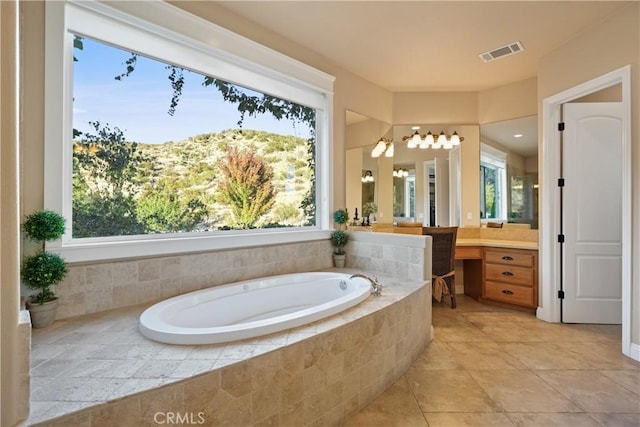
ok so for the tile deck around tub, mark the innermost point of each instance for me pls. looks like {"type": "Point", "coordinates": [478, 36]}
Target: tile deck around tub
{"type": "Point", "coordinates": [89, 360]}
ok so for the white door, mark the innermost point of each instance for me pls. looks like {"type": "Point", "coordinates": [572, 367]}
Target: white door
{"type": "Point", "coordinates": [592, 213]}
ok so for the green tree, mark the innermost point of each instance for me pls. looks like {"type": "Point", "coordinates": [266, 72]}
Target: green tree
{"type": "Point", "coordinates": [104, 168]}
{"type": "Point", "coordinates": [163, 210]}
{"type": "Point", "coordinates": [245, 187]}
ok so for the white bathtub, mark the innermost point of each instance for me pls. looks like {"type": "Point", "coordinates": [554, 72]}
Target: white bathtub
{"type": "Point", "coordinates": [251, 308]}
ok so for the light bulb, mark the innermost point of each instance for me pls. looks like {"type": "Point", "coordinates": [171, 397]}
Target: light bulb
{"type": "Point", "coordinates": [378, 149]}
{"type": "Point", "coordinates": [455, 139]}
{"type": "Point", "coordinates": [429, 139]}
{"type": "Point", "coordinates": [389, 152]}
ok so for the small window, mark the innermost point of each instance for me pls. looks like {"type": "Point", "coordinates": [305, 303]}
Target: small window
{"type": "Point", "coordinates": [493, 183]}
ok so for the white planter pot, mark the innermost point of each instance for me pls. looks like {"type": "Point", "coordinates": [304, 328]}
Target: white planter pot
{"type": "Point", "coordinates": [42, 315]}
{"type": "Point", "coordinates": [338, 260]}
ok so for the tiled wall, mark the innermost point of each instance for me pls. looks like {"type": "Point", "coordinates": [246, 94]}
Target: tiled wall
{"type": "Point", "coordinates": [91, 288]}
{"type": "Point", "coordinates": [399, 256]}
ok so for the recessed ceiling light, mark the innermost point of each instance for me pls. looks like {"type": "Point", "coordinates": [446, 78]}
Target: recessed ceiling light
{"type": "Point", "coordinates": [517, 135]}
{"type": "Point", "coordinates": [415, 127]}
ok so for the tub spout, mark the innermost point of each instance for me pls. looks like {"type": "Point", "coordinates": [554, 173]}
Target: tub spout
{"type": "Point", "coordinates": [377, 286]}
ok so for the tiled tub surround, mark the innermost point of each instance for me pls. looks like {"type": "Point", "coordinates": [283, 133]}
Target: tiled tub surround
{"type": "Point", "coordinates": [99, 370]}
{"type": "Point", "coordinates": [395, 255]}
{"type": "Point", "coordinates": [91, 288]}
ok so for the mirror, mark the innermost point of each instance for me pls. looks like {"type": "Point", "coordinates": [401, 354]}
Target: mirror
{"type": "Point", "coordinates": [443, 186]}
{"type": "Point", "coordinates": [363, 185]}
{"type": "Point", "coordinates": [509, 171]}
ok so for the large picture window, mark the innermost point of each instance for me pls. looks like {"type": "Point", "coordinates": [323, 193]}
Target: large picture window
{"type": "Point", "coordinates": [167, 134]}
{"type": "Point", "coordinates": [161, 149]}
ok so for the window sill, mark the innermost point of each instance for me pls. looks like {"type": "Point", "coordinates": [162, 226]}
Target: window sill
{"type": "Point", "coordinates": [93, 251]}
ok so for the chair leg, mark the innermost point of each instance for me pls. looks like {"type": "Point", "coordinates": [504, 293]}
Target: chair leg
{"type": "Point", "coordinates": [452, 292]}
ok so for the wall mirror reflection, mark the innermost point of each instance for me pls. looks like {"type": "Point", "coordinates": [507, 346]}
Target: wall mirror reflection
{"type": "Point", "coordinates": [509, 172]}
{"type": "Point", "coordinates": [363, 172]}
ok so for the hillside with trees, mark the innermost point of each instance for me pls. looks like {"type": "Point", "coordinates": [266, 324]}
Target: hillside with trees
{"type": "Point", "coordinates": [234, 179]}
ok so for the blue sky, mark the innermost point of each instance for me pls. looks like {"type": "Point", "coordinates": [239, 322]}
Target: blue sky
{"type": "Point", "coordinates": [139, 104]}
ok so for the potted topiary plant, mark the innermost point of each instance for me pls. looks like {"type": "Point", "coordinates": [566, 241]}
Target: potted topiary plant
{"type": "Point", "coordinates": [339, 237]}
{"type": "Point", "coordinates": [43, 269]}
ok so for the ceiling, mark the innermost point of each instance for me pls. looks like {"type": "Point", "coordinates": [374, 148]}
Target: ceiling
{"type": "Point", "coordinates": [428, 45]}
{"type": "Point", "coordinates": [433, 45]}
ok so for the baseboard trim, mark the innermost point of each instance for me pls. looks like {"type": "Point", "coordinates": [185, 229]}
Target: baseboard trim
{"type": "Point", "coordinates": [634, 352]}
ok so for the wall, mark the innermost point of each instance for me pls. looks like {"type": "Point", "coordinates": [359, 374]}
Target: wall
{"type": "Point", "coordinates": [510, 101]}
{"type": "Point", "coordinates": [15, 332]}
{"type": "Point", "coordinates": [410, 108]}
{"type": "Point", "coordinates": [613, 43]}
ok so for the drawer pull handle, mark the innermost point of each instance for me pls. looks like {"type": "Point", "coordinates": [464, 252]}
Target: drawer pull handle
{"type": "Point", "coordinates": [507, 258]}
{"type": "Point", "coordinates": [507, 273]}
{"type": "Point", "coordinates": [508, 292]}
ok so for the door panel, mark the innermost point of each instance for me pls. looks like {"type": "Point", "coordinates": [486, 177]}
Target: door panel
{"type": "Point", "coordinates": [592, 197]}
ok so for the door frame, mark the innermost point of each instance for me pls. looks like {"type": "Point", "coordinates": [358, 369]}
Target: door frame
{"type": "Point", "coordinates": [549, 304]}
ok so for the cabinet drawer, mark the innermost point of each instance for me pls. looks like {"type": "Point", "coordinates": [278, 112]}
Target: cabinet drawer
{"type": "Point", "coordinates": [509, 274]}
{"type": "Point", "coordinates": [513, 294]}
{"type": "Point", "coordinates": [512, 258]}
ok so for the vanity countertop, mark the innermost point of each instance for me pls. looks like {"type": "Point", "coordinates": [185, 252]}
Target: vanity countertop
{"type": "Point", "coordinates": [497, 243]}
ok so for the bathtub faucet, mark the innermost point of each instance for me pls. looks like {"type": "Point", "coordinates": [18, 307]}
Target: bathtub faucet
{"type": "Point", "coordinates": [377, 286]}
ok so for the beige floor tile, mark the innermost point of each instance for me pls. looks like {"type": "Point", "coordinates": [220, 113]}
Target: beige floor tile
{"type": "Point", "coordinates": [627, 379]}
{"type": "Point", "coordinates": [395, 407]}
{"type": "Point", "coordinates": [468, 419]}
{"type": "Point", "coordinates": [397, 399]}
{"type": "Point", "coordinates": [592, 391]}
{"type": "Point", "coordinates": [552, 420]}
{"type": "Point", "coordinates": [522, 391]}
{"type": "Point", "coordinates": [544, 355]}
{"type": "Point", "coordinates": [449, 391]}
{"type": "Point", "coordinates": [617, 420]}
{"type": "Point", "coordinates": [508, 332]}
{"type": "Point", "coordinates": [601, 355]}
{"type": "Point", "coordinates": [483, 356]}
{"type": "Point", "coordinates": [367, 418]}
{"type": "Point", "coordinates": [460, 333]}
{"type": "Point", "coordinates": [438, 356]}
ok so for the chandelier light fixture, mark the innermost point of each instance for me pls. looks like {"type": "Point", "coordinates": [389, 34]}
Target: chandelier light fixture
{"type": "Point", "coordinates": [384, 145]}
{"type": "Point", "coordinates": [417, 140]}
{"type": "Point", "coordinates": [367, 177]}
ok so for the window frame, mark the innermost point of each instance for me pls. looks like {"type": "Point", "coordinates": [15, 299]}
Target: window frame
{"type": "Point", "coordinates": [170, 34]}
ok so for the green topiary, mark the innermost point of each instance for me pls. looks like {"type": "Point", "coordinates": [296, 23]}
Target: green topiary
{"type": "Point", "coordinates": [339, 240]}
{"type": "Point", "coordinates": [339, 237]}
{"type": "Point", "coordinates": [44, 269]}
{"type": "Point", "coordinates": [40, 272]}
{"type": "Point", "coordinates": [44, 226]}
{"type": "Point", "coordinates": [341, 216]}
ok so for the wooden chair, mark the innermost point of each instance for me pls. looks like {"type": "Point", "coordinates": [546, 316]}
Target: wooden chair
{"type": "Point", "coordinates": [443, 256]}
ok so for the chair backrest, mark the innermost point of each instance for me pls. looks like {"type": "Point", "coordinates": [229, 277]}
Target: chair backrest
{"type": "Point", "coordinates": [443, 248]}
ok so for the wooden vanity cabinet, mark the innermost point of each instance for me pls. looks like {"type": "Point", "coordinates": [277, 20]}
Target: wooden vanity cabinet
{"type": "Point", "coordinates": [511, 277]}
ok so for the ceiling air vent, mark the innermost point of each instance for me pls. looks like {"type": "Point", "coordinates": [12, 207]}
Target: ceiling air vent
{"type": "Point", "coordinates": [506, 50]}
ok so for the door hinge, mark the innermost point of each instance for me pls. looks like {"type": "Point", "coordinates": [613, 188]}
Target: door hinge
{"type": "Point", "coordinates": [561, 182]}
{"type": "Point", "coordinates": [560, 126]}
{"type": "Point", "coordinates": [560, 238]}
{"type": "Point", "coordinates": [560, 294]}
